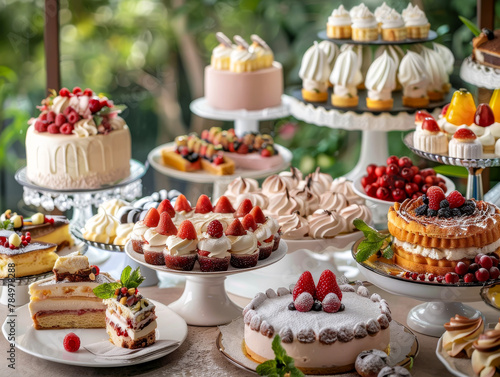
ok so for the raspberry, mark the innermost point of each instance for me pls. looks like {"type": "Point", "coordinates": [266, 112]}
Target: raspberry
{"type": "Point", "coordinates": [95, 270]}
{"type": "Point", "coordinates": [187, 231]}
{"type": "Point", "coordinates": [60, 120]}
{"type": "Point", "coordinates": [71, 341]}
{"type": "Point", "coordinates": [66, 129]}
{"type": "Point", "coordinates": [327, 283]}
{"type": "Point", "coordinates": [68, 110]}
{"type": "Point", "coordinates": [249, 223]}
{"type": "Point", "coordinates": [435, 195]}
{"type": "Point", "coordinates": [64, 92]}
{"type": "Point", "coordinates": [152, 218]}
{"type": "Point", "coordinates": [73, 117]}
{"type": "Point", "coordinates": [304, 284]}
{"type": "Point", "coordinates": [244, 208]}
{"type": "Point", "coordinates": [165, 226]}
{"type": "Point", "coordinates": [203, 205]}
{"type": "Point", "coordinates": [304, 302]}
{"type": "Point", "coordinates": [455, 199]}
{"type": "Point", "coordinates": [235, 229]}
{"type": "Point", "coordinates": [214, 229]}
{"type": "Point", "coordinates": [331, 303]}
{"type": "Point", "coordinates": [166, 206]}
{"type": "Point", "coordinates": [77, 90]}
{"type": "Point", "coordinates": [223, 205]}
{"type": "Point", "coordinates": [94, 105]}
{"type": "Point", "coordinates": [41, 126]}
{"type": "Point", "coordinates": [182, 204]}
{"type": "Point", "coordinates": [88, 92]}
{"type": "Point", "coordinates": [53, 129]}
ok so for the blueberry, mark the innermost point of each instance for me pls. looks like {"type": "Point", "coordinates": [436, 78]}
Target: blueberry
{"type": "Point", "coordinates": [455, 212]}
{"type": "Point", "coordinates": [291, 306]}
{"type": "Point", "coordinates": [317, 307]}
{"type": "Point", "coordinates": [444, 204]}
{"type": "Point", "coordinates": [422, 210]}
{"type": "Point", "coordinates": [444, 212]}
{"type": "Point", "coordinates": [425, 199]}
{"type": "Point", "coordinates": [431, 213]}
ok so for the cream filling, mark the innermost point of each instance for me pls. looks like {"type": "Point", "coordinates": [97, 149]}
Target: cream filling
{"type": "Point", "coordinates": [138, 334]}
{"type": "Point", "coordinates": [448, 254]}
{"type": "Point", "coordinates": [66, 304]}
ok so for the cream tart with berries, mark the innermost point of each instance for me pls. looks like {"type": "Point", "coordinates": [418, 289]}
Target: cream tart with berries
{"type": "Point", "coordinates": [244, 250]}
{"type": "Point", "coordinates": [430, 138]}
{"type": "Point", "coordinates": [263, 232]}
{"type": "Point", "coordinates": [465, 144]}
{"type": "Point", "coordinates": [181, 250]}
{"type": "Point", "coordinates": [151, 220]}
{"type": "Point", "coordinates": [214, 249]}
{"type": "Point", "coordinates": [156, 239]}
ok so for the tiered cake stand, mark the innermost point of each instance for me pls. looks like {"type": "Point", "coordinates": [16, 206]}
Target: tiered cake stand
{"type": "Point", "coordinates": [204, 301]}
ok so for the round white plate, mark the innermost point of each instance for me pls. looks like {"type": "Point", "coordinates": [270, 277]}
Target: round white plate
{"type": "Point", "coordinates": [456, 366]}
{"type": "Point", "coordinates": [320, 246]}
{"type": "Point", "coordinates": [48, 344]}
{"type": "Point", "coordinates": [155, 159]}
{"type": "Point", "coordinates": [275, 257]}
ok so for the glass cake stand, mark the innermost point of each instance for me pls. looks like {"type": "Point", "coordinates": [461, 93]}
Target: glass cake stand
{"type": "Point", "coordinates": [204, 301]}
{"type": "Point", "coordinates": [475, 167]}
{"type": "Point", "coordinates": [441, 301]}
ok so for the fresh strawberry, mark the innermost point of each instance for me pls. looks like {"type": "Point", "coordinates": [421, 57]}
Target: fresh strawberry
{"type": "Point", "coordinates": [215, 229]}
{"type": "Point", "coordinates": [430, 124]}
{"type": "Point", "coordinates": [71, 341]}
{"type": "Point", "coordinates": [421, 115]}
{"type": "Point", "coordinates": [242, 149]}
{"type": "Point", "coordinates": [464, 134]}
{"type": "Point", "coordinates": [88, 92]}
{"type": "Point", "coordinates": [182, 204]}
{"type": "Point", "coordinates": [445, 109]}
{"type": "Point", "coordinates": [258, 215]}
{"type": "Point", "coordinates": [455, 199]}
{"type": "Point", "coordinates": [331, 303]}
{"type": "Point", "coordinates": [77, 90]}
{"type": "Point", "coordinates": [235, 229]}
{"type": "Point", "coordinates": [64, 92]}
{"type": "Point", "coordinates": [435, 195]}
{"type": "Point", "coordinates": [249, 223]}
{"type": "Point", "coordinates": [203, 205]}
{"type": "Point", "coordinates": [244, 208]}
{"type": "Point", "coordinates": [165, 226]}
{"type": "Point", "coordinates": [152, 218]}
{"type": "Point", "coordinates": [166, 206]}
{"type": "Point", "coordinates": [223, 205]}
{"type": "Point", "coordinates": [218, 160]}
{"type": "Point", "coordinates": [304, 302]}
{"type": "Point", "coordinates": [187, 231]}
{"type": "Point", "coordinates": [327, 283]}
{"type": "Point", "coordinates": [304, 284]}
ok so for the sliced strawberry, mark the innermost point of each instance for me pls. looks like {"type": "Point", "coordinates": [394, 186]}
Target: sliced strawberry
{"type": "Point", "coordinates": [203, 205]}
{"type": "Point", "coordinates": [244, 208]}
{"type": "Point", "coordinates": [182, 204]}
{"type": "Point", "coordinates": [249, 223]}
{"type": "Point", "coordinates": [166, 227]}
{"type": "Point", "coordinates": [223, 205]}
{"type": "Point", "coordinates": [258, 215]}
{"type": "Point", "coordinates": [187, 231]}
{"type": "Point", "coordinates": [215, 229]}
{"type": "Point", "coordinates": [327, 283]}
{"type": "Point", "coordinates": [304, 284]}
{"type": "Point", "coordinates": [166, 206]}
{"type": "Point", "coordinates": [152, 218]}
{"type": "Point", "coordinates": [235, 229]}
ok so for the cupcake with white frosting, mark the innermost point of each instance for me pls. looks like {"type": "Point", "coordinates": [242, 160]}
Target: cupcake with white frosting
{"type": "Point", "coordinates": [345, 78]}
{"type": "Point", "coordinates": [380, 82]}
{"type": "Point", "coordinates": [244, 250]}
{"type": "Point", "coordinates": [379, 13]}
{"type": "Point", "coordinates": [439, 82]}
{"type": "Point", "coordinates": [393, 27]}
{"type": "Point", "coordinates": [180, 251]}
{"type": "Point", "coordinates": [314, 72]}
{"type": "Point", "coordinates": [221, 55]}
{"type": "Point", "coordinates": [339, 24]}
{"type": "Point", "coordinates": [417, 25]}
{"type": "Point", "coordinates": [156, 240]}
{"type": "Point", "coordinates": [241, 59]}
{"type": "Point", "coordinates": [260, 48]}
{"type": "Point", "coordinates": [364, 25]}
{"type": "Point", "coordinates": [214, 249]}
{"type": "Point", "coordinates": [332, 51]}
{"type": "Point", "coordinates": [396, 53]}
{"type": "Point", "coordinates": [414, 78]}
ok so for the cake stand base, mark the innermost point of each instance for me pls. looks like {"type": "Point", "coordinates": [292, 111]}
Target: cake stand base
{"type": "Point", "coordinates": [374, 150]}
{"type": "Point", "coordinates": [20, 293]}
{"type": "Point", "coordinates": [429, 318]}
{"type": "Point", "coordinates": [205, 302]}
{"type": "Point", "coordinates": [148, 273]}
{"type": "Point", "coordinates": [475, 183]}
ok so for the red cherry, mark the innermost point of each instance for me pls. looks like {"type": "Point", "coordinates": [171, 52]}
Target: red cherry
{"type": "Point", "coordinates": [417, 178]}
{"type": "Point", "coordinates": [385, 181]}
{"type": "Point", "coordinates": [473, 267]}
{"type": "Point", "coordinates": [382, 193]}
{"type": "Point", "coordinates": [392, 160]}
{"type": "Point", "coordinates": [414, 276]}
{"type": "Point", "coordinates": [469, 278]}
{"type": "Point", "coordinates": [367, 180]}
{"type": "Point", "coordinates": [451, 278]}
{"type": "Point", "coordinates": [478, 257]}
{"type": "Point", "coordinates": [370, 169]}
{"type": "Point", "coordinates": [485, 262]}
{"type": "Point", "coordinates": [443, 186]}
{"type": "Point", "coordinates": [407, 173]}
{"type": "Point", "coordinates": [380, 171]}
{"type": "Point", "coordinates": [494, 273]}
{"type": "Point", "coordinates": [424, 189]}
{"type": "Point", "coordinates": [411, 188]}
{"type": "Point", "coordinates": [399, 184]}
{"type": "Point", "coordinates": [371, 190]}
{"type": "Point", "coordinates": [439, 279]}
{"type": "Point", "coordinates": [392, 169]}
{"type": "Point", "coordinates": [398, 195]}
{"type": "Point", "coordinates": [431, 277]}
{"type": "Point", "coordinates": [484, 115]}
{"type": "Point", "coordinates": [482, 274]}
{"type": "Point", "coordinates": [415, 169]}
{"type": "Point", "coordinates": [461, 268]}
{"type": "Point", "coordinates": [426, 172]}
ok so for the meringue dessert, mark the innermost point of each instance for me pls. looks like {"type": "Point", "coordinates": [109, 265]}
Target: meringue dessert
{"type": "Point", "coordinates": [345, 78]}
{"type": "Point", "coordinates": [364, 25]}
{"type": "Point", "coordinates": [465, 144]}
{"type": "Point", "coordinates": [396, 53]}
{"type": "Point", "coordinates": [101, 227]}
{"type": "Point", "coordinates": [332, 51]}
{"type": "Point", "coordinates": [460, 333]}
{"type": "Point", "coordinates": [439, 82]}
{"type": "Point", "coordinates": [380, 82]}
{"type": "Point", "coordinates": [414, 78]}
{"type": "Point", "coordinates": [339, 24]}
{"type": "Point", "coordinates": [314, 72]}
{"type": "Point", "coordinates": [365, 58]}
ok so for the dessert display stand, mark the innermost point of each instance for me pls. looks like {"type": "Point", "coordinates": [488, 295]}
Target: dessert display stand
{"type": "Point", "coordinates": [475, 167]}
{"type": "Point", "coordinates": [220, 182]}
{"type": "Point", "coordinates": [204, 301]}
{"type": "Point", "coordinates": [15, 291]}
{"type": "Point", "coordinates": [82, 200]}
{"type": "Point", "coordinates": [441, 301]}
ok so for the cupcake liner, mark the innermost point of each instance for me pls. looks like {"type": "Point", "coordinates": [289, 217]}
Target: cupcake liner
{"type": "Point", "coordinates": [338, 32]}
{"type": "Point", "coordinates": [364, 34]}
{"type": "Point", "coordinates": [137, 246]}
{"type": "Point", "coordinates": [418, 32]}
{"type": "Point", "coordinates": [154, 258]}
{"type": "Point", "coordinates": [209, 264]}
{"type": "Point", "coordinates": [244, 261]}
{"type": "Point", "coordinates": [181, 263]}
{"type": "Point", "coordinates": [394, 34]}
{"type": "Point", "coordinates": [265, 250]}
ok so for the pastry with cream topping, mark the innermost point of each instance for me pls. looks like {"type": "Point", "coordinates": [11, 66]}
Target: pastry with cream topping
{"type": "Point", "coordinates": [241, 59]}
{"type": "Point", "coordinates": [88, 128]}
{"type": "Point", "coordinates": [244, 250]}
{"type": "Point", "coordinates": [314, 72]}
{"type": "Point", "coordinates": [364, 25]}
{"type": "Point", "coordinates": [414, 79]}
{"type": "Point", "coordinates": [393, 27]}
{"type": "Point", "coordinates": [214, 249]}
{"type": "Point", "coordinates": [464, 144]}
{"type": "Point", "coordinates": [181, 249]}
{"type": "Point", "coordinates": [345, 77]}
{"type": "Point", "coordinates": [430, 138]}
{"type": "Point", "coordinates": [460, 333]}
{"type": "Point", "coordinates": [260, 48]}
{"type": "Point", "coordinates": [439, 82]}
{"type": "Point", "coordinates": [338, 25]}
{"type": "Point", "coordinates": [221, 55]}
{"type": "Point", "coordinates": [396, 54]}
{"type": "Point", "coordinates": [380, 81]}
{"type": "Point", "coordinates": [156, 239]}
{"type": "Point", "coordinates": [417, 25]}
{"type": "Point", "coordinates": [365, 57]}
{"type": "Point", "coordinates": [486, 355]}
{"type": "Point", "coordinates": [101, 227]}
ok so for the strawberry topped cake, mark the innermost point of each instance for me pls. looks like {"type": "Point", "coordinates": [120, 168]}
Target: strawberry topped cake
{"type": "Point", "coordinates": [323, 327]}
{"type": "Point", "coordinates": [77, 142]}
{"type": "Point", "coordinates": [156, 238]}
{"type": "Point", "coordinates": [180, 250]}
{"type": "Point", "coordinates": [244, 249]}
{"type": "Point", "coordinates": [430, 138]}
{"type": "Point", "coordinates": [213, 249]}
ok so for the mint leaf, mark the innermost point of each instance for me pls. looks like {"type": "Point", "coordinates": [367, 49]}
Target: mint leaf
{"type": "Point", "coordinates": [388, 252]}
{"type": "Point", "coordinates": [267, 368]}
{"type": "Point", "coordinates": [470, 25]}
{"type": "Point", "coordinates": [366, 249]}
{"type": "Point", "coordinates": [124, 278]}
{"type": "Point", "coordinates": [106, 290]}
{"type": "Point", "coordinates": [278, 349]}
{"type": "Point", "coordinates": [281, 365]}
{"type": "Point", "coordinates": [135, 279]}
{"type": "Point", "coordinates": [97, 120]}
{"type": "Point", "coordinates": [364, 227]}
{"type": "Point", "coordinates": [295, 372]}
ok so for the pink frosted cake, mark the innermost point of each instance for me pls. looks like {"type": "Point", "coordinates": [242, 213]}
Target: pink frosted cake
{"type": "Point", "coordinates": [243, 77]}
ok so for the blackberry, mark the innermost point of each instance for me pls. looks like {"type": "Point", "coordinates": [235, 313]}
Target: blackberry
{"type": "Point", "coordinates": [444, 212]}
{"type": "Point", "coordinates": [467, 210]}
{"type": "Point", "coordinates": [425, 199]}
{"type": "Point", "coordinates": [444, 204]}
{"type": "Point", "coordinates": [421, 211]}
{"type": "Point", "coordinates": [317, 307]}
{"type": "Point", "coordinates": [455, 212]}
{"type": "Point", "coordinates": [431, 213]}
{"type": "Point", "coordinates": [291, 306]}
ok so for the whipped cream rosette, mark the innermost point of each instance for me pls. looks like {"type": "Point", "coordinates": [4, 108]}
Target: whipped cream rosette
{"type": "Point", "coordinates": [221, 54]}
{"type": "Point", "coordinates": [137, 236]}
{"type": "Point", "coordinates": [101, 227]}
{"type": "Point", "coordinates": [414, 78]}
{"type": "Point", "coordinates": [177, 246]}
{"type": "Point", "coordinates": [486, 355]}
{"type": "Point", "coordinates": [112, 206]}
{"type": "Point", "coordinates": [365, 58]}
{"type": "Point", "coordinates": [314, 72]}
{"type": "Point", "coordinates": [345, 78]}
{"type": "Point", "coordinates": [380, 11]}
{"type": "Point", "coordinates": [461, 333]}
{"type": "Point", "coordinates": [380, 82]}
{"type": "Point", "coordinates": [331, 50]}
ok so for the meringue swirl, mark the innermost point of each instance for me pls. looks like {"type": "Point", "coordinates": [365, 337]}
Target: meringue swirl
{"type": "Point", "coordinates": [332, 201]}
{"type": "Point", "coordinates": [325, 224]}
{"type": "Point", "coordinates": [294, 226]}
{"type": "Point", "coordinates": [101, 227]}
{"type": "Point", "coordinates": [85, 128]}
{"type": "Point", "coordinates": [355, 211]}
{"type": "Point", "coordinates": [460, 333]}
{"type": "Point", "coordinates": [284, 204]}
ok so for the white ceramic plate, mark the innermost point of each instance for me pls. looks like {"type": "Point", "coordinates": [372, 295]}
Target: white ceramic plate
{"type": "Point", "coordinates": [456, 366]}
{"type": "Point", "coordinates": [48, 344]}
{"type": "Point", "coordinates": [338, 243]}
{"type": "Point", "coordinates": [154, 158]}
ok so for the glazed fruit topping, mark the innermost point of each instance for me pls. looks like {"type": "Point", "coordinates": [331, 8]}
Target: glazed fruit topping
{"type": "Point", "coordinates": [223, 205]}
{"type": "Point", "coordinates": [203, 205]}
{"type": "Point", "coordinates": [421, 115]}
{"type": "Point", "coordinates": [152, 218]}
{"type": "Point", "coordinates": [215, 229]}
{"type": "Point", "coordinates": [304, 302]}
{"type": "Point", "coordinates": [331, 303]}
{"type": "Point", "coordinates": [304, 284]}
{"type": "Point", "coordinates": [258, 215]}
{"type": "Point", "coordinates": [235, 229]}
{"type": "Point", "coordinates": [249, 223]}
{"type": "Point", "coordinates": [182, 204]}
{"type": "Point", "coordinates": [464, 134]}
{"type": "Point", "coordinates": [430, 124]}
{"type": "Point", "coordinates": [166, 206]}
{"type": "Point", "coordinates": [435, 204]}
{"type": "Point", "coordinates": [484, 115]}
{"type": "Point", "coordinates": [187, 231]}
{"type": "Point", "coordinates": [165, 226]}
{"type": "Point", "coordinates": [71, 342]}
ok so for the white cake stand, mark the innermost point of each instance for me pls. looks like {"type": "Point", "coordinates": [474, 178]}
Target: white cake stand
{"type": "Point", "coordinates": [244, 120]}
{"type": "Point", "coordinates": [204, 301]}
{"type": "Point", "coordinates": [479, 75]}
{"type": "Point", "coordinates": [441, 301]}
{"type": "Point", "coordinates": [220, 182]}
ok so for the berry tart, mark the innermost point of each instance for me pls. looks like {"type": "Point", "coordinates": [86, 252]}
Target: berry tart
{"type": "Point", "coordinates": [214, 249]}
{"type": "Point", "coordinates": [322, 327]}
{"type": "Point", "coordinates": [465, 144]}
{"type": "Point", "coordinates": [181, 250]}
{"type": "Point", "coordinates": [94, 138]}
{"type": "Point", "coordinates": [434, 233]}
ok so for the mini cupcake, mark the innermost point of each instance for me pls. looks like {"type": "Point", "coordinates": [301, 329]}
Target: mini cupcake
{"type": "Point", "coordinates": [181, 250]}
{"type": "Point", "coordinates": [183, 209]}
{"type": "Point", "coordinates": [213, 249]}
{"type": "Point", "coordinates": [221, 55]}
{"type": "Point", "coordinates": [439, 82]}
{"type": "Point", "coordinates": [259, 47]}
{"type": "Point", "coordinates": [345, 78]}
{"type": "Point", "coordinates": [314, 72]}
{"type": "Point", "coordinates": [156, 239]}
{"type": "Point", "coordinates": [339, 24]}
{"type": "Point", "coordinates": [379, 13]}
{"type": "Point", "coordinates": [244, 249]}
{"type": "Point", "coordinates": [414, 78]}
{"type": "Point", "coordinates": [461, 333]}
{"type": "Point", "coordinates": [331, 50]}
{"type": "Point", "coordinates": [270, 224]}
{"type": "Point", "coordinates": [241, 59]}
{"type": "Point", "coordinates": [264, 236]}
{"type": "Point", "coordinates": [393, 27]}
{"type": "Point", "coordinates": [294, 226]}
{"type": "Point", "coordinates": [326, 224]}
{"type": "Point", "coordinates": [150, 221]}
{"type": "Point", "coordinates": [364, 25]}
{"type": "Point", "coordinates": [397, 54]}
{"type": "Point", "coordinates": [446, 56]}
{"type": "Point", "coordinates": [380, 82]}
{"type": "Point", "coordinates": [355, 211]}
{"type": "Point", "coordinates": [416, 23]}
{"type": "Point", "coordinates": [464, 144]}
{"type": "Point", "coordinates": [430, 138]}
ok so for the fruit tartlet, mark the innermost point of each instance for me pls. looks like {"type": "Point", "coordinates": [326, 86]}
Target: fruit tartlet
{"type": "Point", "coordinates": [338, 25]}
{"type": "Point", "coordinates": [156, 239]}
{"type": "Point", "coordinates": [345, 77]}
{"type": "Point", "coordinates": [214, 249]}
{"type": "Point", "coordinates": [430, 138]}
{"type": "Point", "coordinates": [181, 250]}
{"type": "Point", "coordinates": [460, 333]}
{"type": "Point", "coordinates": [244, 249]}
{"type": "Point", "coordinates": [314, 72]}
{"type": "Point", "coordinates": [464, 144]}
